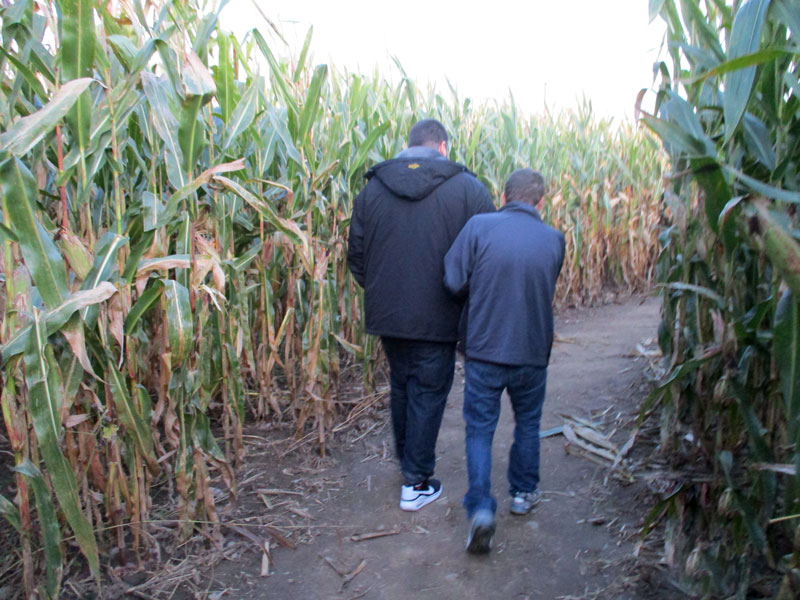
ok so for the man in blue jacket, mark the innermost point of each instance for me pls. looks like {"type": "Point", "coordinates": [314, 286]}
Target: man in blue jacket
{"type": "Point", "coordinates": [507, 264]}
{"type": "Point", "coordinates": [402, 224]}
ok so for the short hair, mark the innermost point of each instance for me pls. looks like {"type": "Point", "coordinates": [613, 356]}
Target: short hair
{"type": "Point", "coordinates": [525, 185]}
{"type": "Point", "coordinates": [428, 132]}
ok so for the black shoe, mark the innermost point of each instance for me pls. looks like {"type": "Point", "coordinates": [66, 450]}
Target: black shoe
{"type": "Point", "coordinates": [481, 531]}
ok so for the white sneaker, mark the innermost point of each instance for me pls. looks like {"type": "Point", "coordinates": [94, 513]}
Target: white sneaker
{"type": "Point", "coordinates": [414, 497]}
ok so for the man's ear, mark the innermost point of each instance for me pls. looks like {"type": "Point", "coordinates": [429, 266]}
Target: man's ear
{"type": "Point", "coordinates": [443, 148]}
{"type": "Point", "coordinates": [503, 198]}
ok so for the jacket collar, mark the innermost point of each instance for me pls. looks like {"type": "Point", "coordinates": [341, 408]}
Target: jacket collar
{"type": "Point", "coordinates": [419, 152]}
{"type": "Point", "coordinates": [522, 207]}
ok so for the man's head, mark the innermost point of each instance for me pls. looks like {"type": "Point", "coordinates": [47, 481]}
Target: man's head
{"type": "Point", "coordinates": [430, 133]}
{"type": "Point", "coordinates": [525, 185]}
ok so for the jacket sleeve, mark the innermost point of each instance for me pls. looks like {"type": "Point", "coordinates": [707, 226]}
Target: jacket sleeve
{"type": "Point", "coordinates": [562, 250]}
{"type": "Point", "coordinates": [459, 262]}
{"type": "Point", "coordinates": [482, 202]}
{"type": "Point", "coordinates": [355, 244]}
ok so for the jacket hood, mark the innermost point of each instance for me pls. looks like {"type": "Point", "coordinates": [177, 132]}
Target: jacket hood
{"type": "Point", "coordinates": [415, 173]}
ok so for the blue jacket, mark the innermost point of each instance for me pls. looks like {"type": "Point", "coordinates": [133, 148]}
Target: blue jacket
{"type": "Point", "coordinates": [507, 264]}
{"type": "Point", "coordinates": [402, 224]}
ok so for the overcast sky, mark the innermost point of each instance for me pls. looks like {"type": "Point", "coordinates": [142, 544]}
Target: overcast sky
{"type": "Point", "coordinates": [545, 51]}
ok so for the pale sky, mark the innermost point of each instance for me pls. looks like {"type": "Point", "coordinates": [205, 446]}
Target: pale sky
{"type": "Point", "coordinates": [544, 51]}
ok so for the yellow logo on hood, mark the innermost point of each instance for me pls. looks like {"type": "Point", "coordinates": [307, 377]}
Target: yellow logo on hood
{"type": "Point", "coordinates": [413, 166]}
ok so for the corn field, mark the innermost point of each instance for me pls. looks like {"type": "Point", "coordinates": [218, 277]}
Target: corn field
{"type": "Point", "coordinates": [175, 208]}
{"type": "Point", "coordinates": [729, 116]}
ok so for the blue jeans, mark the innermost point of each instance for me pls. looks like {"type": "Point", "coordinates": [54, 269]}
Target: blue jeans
{"type": "Point", "coordinates": [421, 375]}
{"type": "Point", "coordinates": [483, 387]}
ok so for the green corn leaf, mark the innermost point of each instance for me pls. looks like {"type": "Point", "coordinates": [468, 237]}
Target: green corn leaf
{"type": "Point", "coordinates": [286, 226]}
{"type": "Point", "coordinates": [366, 147]}
{"type": "Point", "coordinates": [710, 177]}
{"type": "Point", "coordinates": [240, 262]}
{"type": "Point", "coordinates": [27, 74]}
{"type": "Point", "coordinates": [132, 264]}
{"type": "Point", "coordinates": [180, 327]}
{"type": "Point", "coordinates": [44, 393]}
{"type": "Point", "coordinates": [156, 91]}
{"type": "Point", "coordinates": [242, 116]}
{"type": "Point", "coordinates": [787, 12]}
{"type": "Point", "coordinates": [224, 78]}
{"type": "Point", "coordinates": [76, 58]}
{"type": "Point", "coordinates": [105, 259]}
{"type": "Point", "coordinates": [697, 289]}
{"type": "Point", "coordinates": [277, 73]}
{"type": "Point", "coordinates": [148, 298]}
{"type": "Point", "coordinates": [28, 131]}
{"type": "Point", "coordinates": [741, 62]}
{"type": "Point", "coordinates": [10, 512]}
{"type": "Point", "coordinates": [301, 61]}
{"type": "Point", "coordinates": [174, 202]}
{"type": "Point", "coordinates": [130, 418]}
{"type": "Point", "coordinates": [755, 429]}
{"type": "Point", "coordinates": [39, 252]}
{"type": "Point", "coordinates": [183, 245]}
{"type": "Point", "coordinates": [191, 133]}
{"type": "Point", "coordinates": [760, 187]}
{"type": "Point", "coordinates": [7, 234]}
{"type": "Point", "coordinates": [787, 357]}
{"type": "Point", "coordinates": [754, 530]}
{"type": "Point", "coordinates": [311, 105]}
{"type": "Point", "coordinates": [58, 317]}
{"type": "Point", "coordinates": [745, 39]}
{"type": "Point", "coordinates": [199, 88]}
{"type": "Point", "coordinates": [152, 210]}
{"type": "Point", "coordinates": [124, 49]}
{"type": "Point", "coordinates": [48, 522]}
{"type": "Point", "coordinates": [654, 8]}
{"type": "Point", "coordinates": [758, 141]}
{"type": "Point", "coordinates": [279, 121]}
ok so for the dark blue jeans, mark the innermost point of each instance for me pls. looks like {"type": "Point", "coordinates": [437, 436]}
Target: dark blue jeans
{"type": "Point", "coordinates": [421, 377]}
{"type": "Point", "coordinates": [483, 387]}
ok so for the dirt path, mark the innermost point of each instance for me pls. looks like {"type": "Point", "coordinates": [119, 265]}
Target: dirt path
{"type": "Point", "coordinates": [572, 546]}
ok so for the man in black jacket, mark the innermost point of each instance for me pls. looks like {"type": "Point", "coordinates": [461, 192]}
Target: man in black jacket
{"type": "Point", "coordinates": [401, 226]}
{"type": "Point", "coordinates": [507, 264]}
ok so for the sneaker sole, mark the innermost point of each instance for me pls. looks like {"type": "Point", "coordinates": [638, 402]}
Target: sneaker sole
{"type": "Point", "coordinates": [520, 512]}
{"type": "Point", "coordinates": [481, 540]}
{"type": "Point", "coordinates": [420, 501]}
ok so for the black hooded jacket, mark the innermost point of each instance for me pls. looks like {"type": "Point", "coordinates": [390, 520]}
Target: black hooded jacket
{"type": "Point", "coordinates": [402, 224]}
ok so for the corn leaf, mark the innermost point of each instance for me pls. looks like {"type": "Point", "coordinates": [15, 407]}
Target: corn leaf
{"type": "Point", "coordinates": [130, 418]}
{"type": "Point", "coordinates": [156, 91]}
{"type": "Point", "coordinates": [180, 327]}
{"type": "Point", "coordinates": [369, 143]}
{"type": "Point", "coordinates": [44, 391]}
{"type": "Point", "coordinates": [242, 116]}
{"type": "Point", "coordinates": [10, 512]}
{"type": "Point", "coordinates": [26, 132]}
{"type": "Point", "coordinates": [277, 73]}
{"type": "Point", "coordinates": [39, 252]}
{"type": "Point", "coordinates": [57, 317]}
{"type": "Point", "coordinates": [745, 39]}
{"type": "Point", "coordinates": [142, 305]}
{"type": "Point", "coordinates": [787, 357]}
{"type": "Point", "coordinates": [224, 78]}
{"type": "Point", "coordinates": [311, 105]}
{"type": "Point", "coordinates": [48, 522]}
{"type": "Point", "coordinates": [76, 58]}
{"type": "Point", "coordinates": [199, 88]}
